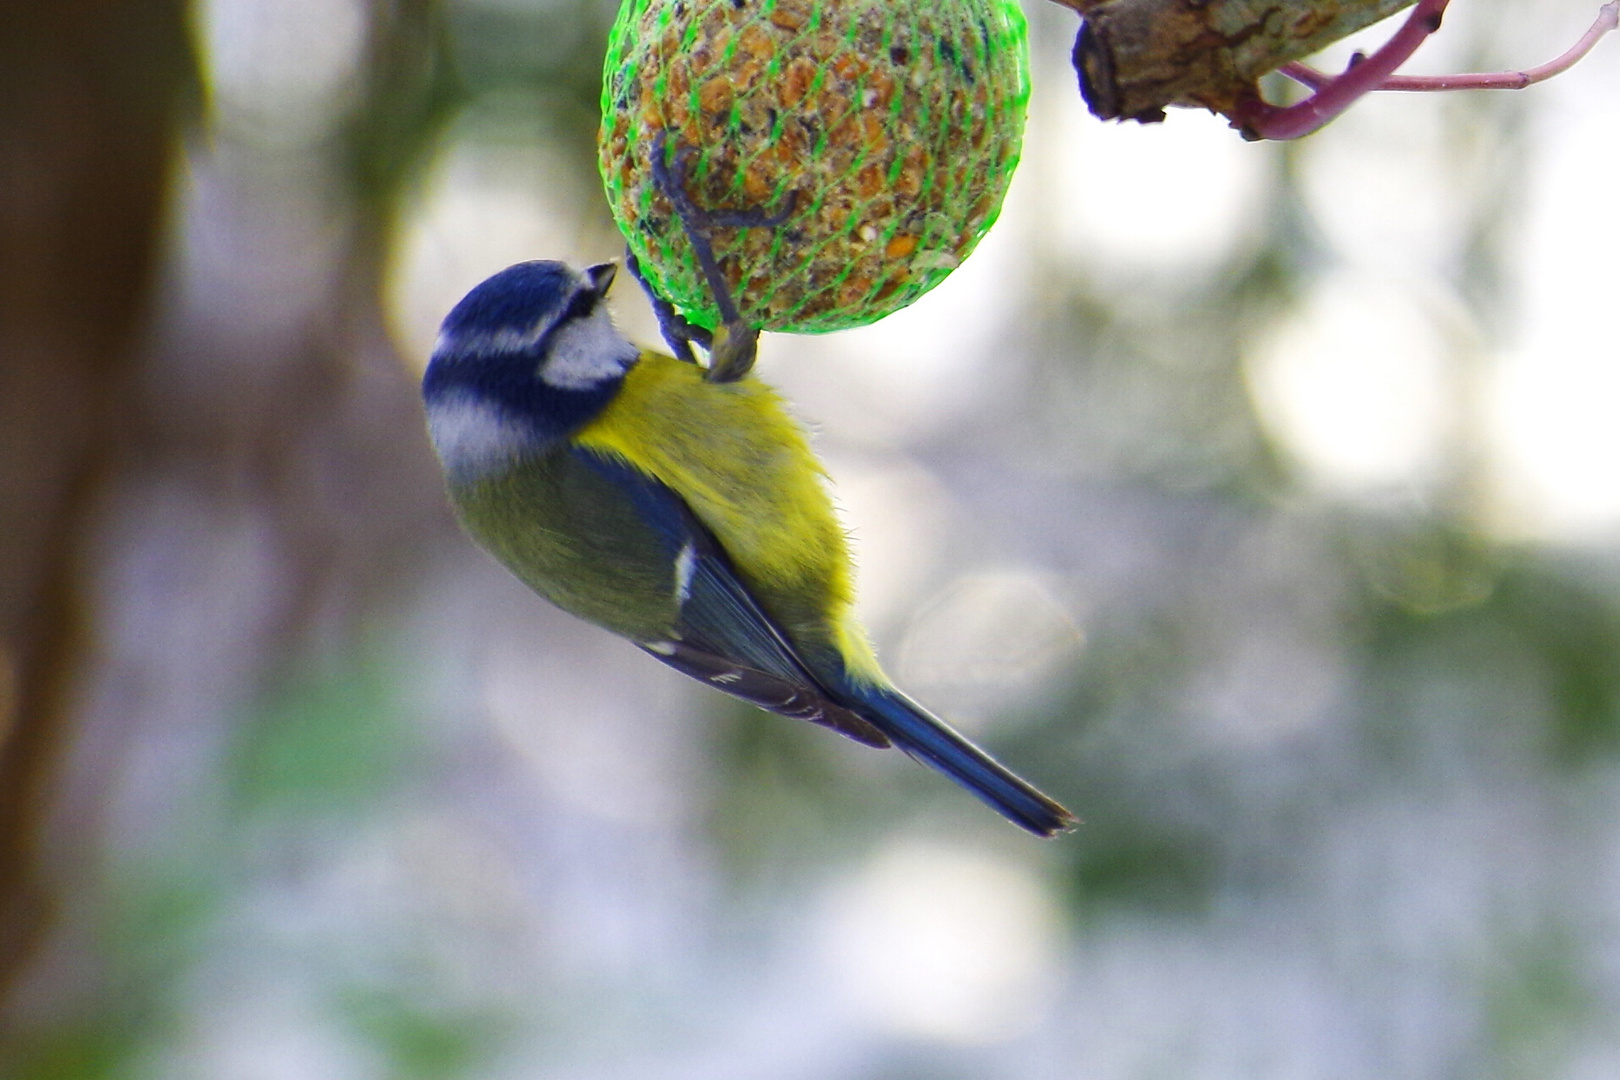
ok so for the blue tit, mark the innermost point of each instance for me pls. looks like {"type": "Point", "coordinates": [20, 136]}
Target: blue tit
{"type": "Point", "coordinates": [687, 515]}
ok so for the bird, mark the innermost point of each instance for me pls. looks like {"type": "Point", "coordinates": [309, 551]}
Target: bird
{"type": "Point", "coordinates": [686, 515]}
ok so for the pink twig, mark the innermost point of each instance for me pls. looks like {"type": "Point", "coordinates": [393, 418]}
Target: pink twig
{"type": "Point", "coordinates": [1263, 120]}
{"type": "Point", "coordinates": [1607, 20]}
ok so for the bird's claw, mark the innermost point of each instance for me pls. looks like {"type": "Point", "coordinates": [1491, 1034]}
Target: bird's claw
{"type": "Point", "coordinates": [671, 323]}
{"type": "Point", "coordinates": [732, 352]}
{"type": "Point", "coordinates": [734, 344]}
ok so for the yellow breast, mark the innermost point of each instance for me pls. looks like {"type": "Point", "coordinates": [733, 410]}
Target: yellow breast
{"type": "Point", "coordinates": [745, 468]}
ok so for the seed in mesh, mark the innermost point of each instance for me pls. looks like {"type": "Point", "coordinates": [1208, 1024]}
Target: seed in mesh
{"type": "Point", "coordinates": [889, 128]}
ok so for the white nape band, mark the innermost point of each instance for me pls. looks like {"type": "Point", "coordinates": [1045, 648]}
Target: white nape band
{"type": "Point", "coordinates": [474, 437]}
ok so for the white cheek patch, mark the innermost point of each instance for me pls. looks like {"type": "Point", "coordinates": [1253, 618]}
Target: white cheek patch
{"type": "Point", "coordinates": [473, 437]}
{"type": "Point", "coordinates": [586, 352]}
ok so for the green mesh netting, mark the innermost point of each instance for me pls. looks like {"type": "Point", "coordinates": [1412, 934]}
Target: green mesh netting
{"type": "Point", "coordinates": [893, 126]}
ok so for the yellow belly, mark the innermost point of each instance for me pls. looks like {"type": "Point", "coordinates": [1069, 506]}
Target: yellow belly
{"type": "Point", "coordinates": [746, 470]}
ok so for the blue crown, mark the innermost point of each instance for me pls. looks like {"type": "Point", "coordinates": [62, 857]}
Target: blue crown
{"type": "Point", "coordinates": [515, 299]}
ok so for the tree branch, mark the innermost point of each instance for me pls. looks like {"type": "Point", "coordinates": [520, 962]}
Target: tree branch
{"type": "Point", "coordinates": [1137, 57]}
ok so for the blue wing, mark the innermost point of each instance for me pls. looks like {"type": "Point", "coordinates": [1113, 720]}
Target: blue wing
{"type": "Point", "coordinates": [721, 636]}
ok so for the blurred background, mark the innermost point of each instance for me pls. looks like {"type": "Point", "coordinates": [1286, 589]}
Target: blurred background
{"type": "Point", "coordinates": [1260, 502]}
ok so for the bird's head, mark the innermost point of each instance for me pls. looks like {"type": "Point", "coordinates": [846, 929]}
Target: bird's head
{"type": "Point", "coordinates": [521, 362]}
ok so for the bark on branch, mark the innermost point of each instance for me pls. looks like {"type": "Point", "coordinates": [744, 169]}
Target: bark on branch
{"type": "Point", "coordinates": [1136, 57]}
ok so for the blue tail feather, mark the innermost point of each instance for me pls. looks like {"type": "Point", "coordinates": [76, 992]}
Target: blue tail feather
{"type": "Point", "coordinates": [932, 741]}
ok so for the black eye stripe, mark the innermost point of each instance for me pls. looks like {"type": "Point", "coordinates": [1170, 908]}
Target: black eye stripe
{"type": "Point", "coordinates": [581, 305]}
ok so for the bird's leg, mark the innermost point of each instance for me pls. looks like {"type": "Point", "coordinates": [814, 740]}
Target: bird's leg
{"type": "Point", "coordinates": [734, 343]}
{"type": "Point", "coordinates": [676, 330]}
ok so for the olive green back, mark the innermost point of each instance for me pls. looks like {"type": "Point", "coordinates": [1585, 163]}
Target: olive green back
{"type": "Point", "coordinates": [571, 535]}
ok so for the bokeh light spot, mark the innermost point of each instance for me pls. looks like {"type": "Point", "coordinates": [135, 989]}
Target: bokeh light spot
{"type": "Point", "coordinates": [1554, 404]}
{"type": "Point", "coordinates": [945, 941]}
{"type": "Point", "coordinates": [987, 639]}
{"type": "Point", "coordinates": [1167, 200]}
{"type": "Point", "coordinates": [1353, 385]}
{"type": "Point", "coordinates": [283, 72]}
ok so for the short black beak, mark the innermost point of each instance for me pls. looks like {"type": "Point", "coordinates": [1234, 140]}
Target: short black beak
{"type": "Point", "coordinates": [601, 276]}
